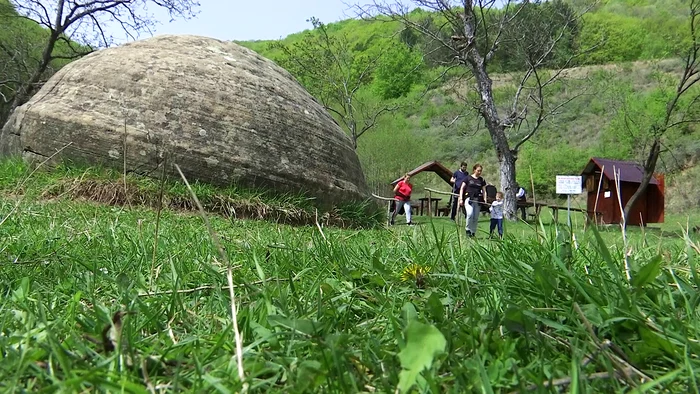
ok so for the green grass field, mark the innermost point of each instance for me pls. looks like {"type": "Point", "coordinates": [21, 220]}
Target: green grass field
{"type": "Point", "coordinates": [108, 298]}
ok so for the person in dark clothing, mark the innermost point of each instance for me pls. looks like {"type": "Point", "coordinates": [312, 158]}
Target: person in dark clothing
{"type": "Point", "coordinates": [488, 198]}
{"type": "Point", "coordinates": [472, 190]}
{"type": "Point", "coordinates": [521, 197]}
{"type": "Point", "coordinates": [457, 178]}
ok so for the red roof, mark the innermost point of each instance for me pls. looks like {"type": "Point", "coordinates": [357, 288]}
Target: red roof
{"type": "Point", "coordinates": [434, 166]}
{"type": "Point", "coordinates": [627, 171]}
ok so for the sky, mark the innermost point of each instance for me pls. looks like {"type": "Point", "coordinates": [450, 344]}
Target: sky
{"type": "Point", "coordinates": [255, 19]}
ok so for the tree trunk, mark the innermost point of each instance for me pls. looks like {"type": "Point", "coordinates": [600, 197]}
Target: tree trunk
{"type": "Point", "coordinates": [507, 171]}
{"type": "Point", "coordinates": [488, 110]}
{"type": "Point", "coordinates": [649, 167]}
{"type": "Point", "coordinates": [27, 89]}
{"type": "Point", "coordinates": [353, 132]}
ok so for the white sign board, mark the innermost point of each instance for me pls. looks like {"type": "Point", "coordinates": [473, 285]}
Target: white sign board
{"type": "Point", "coordinates": [569, 184]}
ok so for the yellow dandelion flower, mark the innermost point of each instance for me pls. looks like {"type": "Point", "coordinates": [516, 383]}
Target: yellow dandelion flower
{"type": "Point", "coordinates": [414, 272]}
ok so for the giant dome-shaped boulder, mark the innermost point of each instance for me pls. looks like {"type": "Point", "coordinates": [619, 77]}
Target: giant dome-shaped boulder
{"type": "Point", "coordinates": [220, 111]}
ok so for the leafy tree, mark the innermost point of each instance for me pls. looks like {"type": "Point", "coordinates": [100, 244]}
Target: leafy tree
{"type": "Point", "coordinates": [398, 70]}
{"type": "Point", "coordinates": [623, 37]}
{"type": "Point", "coordinates": [70, 21]}
{"type": "Point", "coordinates": [537, 23]}
{"type": "Point", "coordinates": [477, 30]}
{"type": "Point", "coordinates": [334, 73]}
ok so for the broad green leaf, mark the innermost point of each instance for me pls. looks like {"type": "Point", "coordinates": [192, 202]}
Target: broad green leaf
{"type": "Point", "coordinates": [310, 375]}
{"type": "Point", "coordinates": [264, 334]}
{"type": "Point", "coordinates": [648, 273]}
{"type": "Point", "coordinates": [408, 313]}
{"type": "Point", "coordinates": [216, 383]}
{"type": "Point", "coordinates": [547, 322]}
{"type": "Point", "coordinates": [258, 268]}
{"type": "Point", "coordinates": [516, 321]}
{"type": "Point", "coordinates": [423, 343]}
{"type": "Point", "coordinates": [437, 310]}
{"type": "Point", "coordinates": [657, 341]}
{"type": "Point", "coordinates": [301, 325]}
{"type": "Point", "coordinates": [593, 314]}
{"type": "Point", "coordinates": [378, 266]}
{"type": "Point", "coordinates": [21, 293]}
{"type": "Point", "coordinates": [605, 253]}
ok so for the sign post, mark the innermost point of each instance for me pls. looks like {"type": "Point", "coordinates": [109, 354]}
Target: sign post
{"type": "Point", "coordinates": [568, 184]}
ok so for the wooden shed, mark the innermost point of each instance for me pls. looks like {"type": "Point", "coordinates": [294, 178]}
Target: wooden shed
{"type": "Point", "coordinates": [648, 209]}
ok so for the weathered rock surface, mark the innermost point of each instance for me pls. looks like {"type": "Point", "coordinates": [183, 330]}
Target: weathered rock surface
{"type": "Point", "coordinates": [221, 112]}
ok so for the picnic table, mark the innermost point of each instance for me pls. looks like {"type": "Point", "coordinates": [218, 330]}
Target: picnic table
{"type": "Point", "coordinates": [555, 209]}
{"type": "Point", "coordinates": [429, 201]}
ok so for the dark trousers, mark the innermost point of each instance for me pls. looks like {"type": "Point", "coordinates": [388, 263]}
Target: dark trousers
{"type": "Point", "coordinates": [523, 210]}
{"type": "Point", "coordinates": [453, 206]}
{"type": "Point", "coordinates": [496, 223]}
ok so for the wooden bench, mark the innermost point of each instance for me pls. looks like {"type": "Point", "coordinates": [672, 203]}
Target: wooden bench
{"type": "Point", "coordinates": [445, 211]}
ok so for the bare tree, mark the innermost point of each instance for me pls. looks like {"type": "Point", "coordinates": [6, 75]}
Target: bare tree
{"type": "Point", "coordinates": [477, 31]}
{"type": "Point", "coordinates": [653, 132]}
{"type": "Point", "coordinates": [333, 73]}
{"type": "Point", "coordinates": [18, 55]}
{"type": "Point", "coordinates": [83, 26]}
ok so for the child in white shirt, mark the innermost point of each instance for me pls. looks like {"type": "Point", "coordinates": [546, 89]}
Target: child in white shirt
{"type": "Point", "coordinates": [497, 215]}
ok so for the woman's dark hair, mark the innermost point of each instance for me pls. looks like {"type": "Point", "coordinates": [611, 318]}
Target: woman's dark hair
{"type": "Point", "coordinates": [477, 165]}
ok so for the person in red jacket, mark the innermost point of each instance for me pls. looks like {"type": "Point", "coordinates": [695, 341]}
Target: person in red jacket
{"type": "Point", "coordinates": [402, 195]}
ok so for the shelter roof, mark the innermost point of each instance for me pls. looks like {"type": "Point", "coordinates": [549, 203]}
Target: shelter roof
{"type": "Point", "coordinates": [628, 171]}
{"type": "Point", "coordinates": [432, 166]}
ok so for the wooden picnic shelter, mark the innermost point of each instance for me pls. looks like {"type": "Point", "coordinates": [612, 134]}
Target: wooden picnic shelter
{"type": "Point", "coordinates": [430, 202]}
{"type": "Point", "coordinates": [599, 180]}
{"type": "Point", "coordinates": [431, 166]}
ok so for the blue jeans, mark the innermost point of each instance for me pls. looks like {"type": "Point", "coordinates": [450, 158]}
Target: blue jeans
{"type": "Point", "coordinates": [472, 208]}
{"type": "Point", "coordinates": [494, 223]}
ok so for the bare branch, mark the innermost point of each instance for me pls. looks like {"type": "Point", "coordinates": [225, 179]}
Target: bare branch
{"type": "Point", "coordinates": [68, 20]}
{"type": "Point", "coordinates": [400, 13]}
{"type": "Point", "coordinates": [658, 129]}
{"type": "Point", "coordinates": [326, 65]}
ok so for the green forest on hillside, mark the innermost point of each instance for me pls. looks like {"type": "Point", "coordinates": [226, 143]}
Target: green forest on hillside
{"type": "Point", "coordinates": [634, 63]}
{"type": "Point", "coordinates": [632, 66]}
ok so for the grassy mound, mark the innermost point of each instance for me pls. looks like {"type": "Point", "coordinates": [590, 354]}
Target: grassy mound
{"type": "Point", "coordinates": [109, 187]}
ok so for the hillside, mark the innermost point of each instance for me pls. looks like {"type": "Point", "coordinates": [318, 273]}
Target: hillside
{"type": "Point", "coordinates": [430, 120]}
{"type": "Point", "coordinates": [434, 123]}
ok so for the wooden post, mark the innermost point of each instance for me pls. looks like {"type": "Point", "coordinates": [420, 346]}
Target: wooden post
{"type": "Point", "coordinates": [388, 213]}
{"type": "Point", "coordinates": [430, 201]}
{"type": "Point", "coordinates": [388, 207]}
